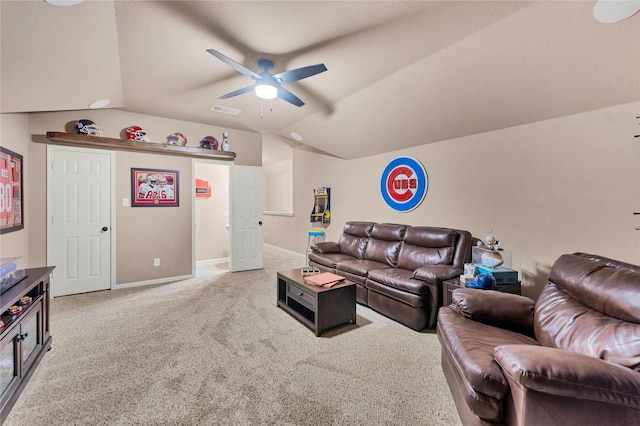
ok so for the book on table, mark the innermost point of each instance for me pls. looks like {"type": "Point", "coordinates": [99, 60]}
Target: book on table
{"type": "Point", "coordinates": [325, 279]}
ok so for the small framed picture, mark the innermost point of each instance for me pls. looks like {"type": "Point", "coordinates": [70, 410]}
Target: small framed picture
{"type": "Point", "coordinates": [154, 187]}
{"type": "Point", "coordinates": [11, 191]}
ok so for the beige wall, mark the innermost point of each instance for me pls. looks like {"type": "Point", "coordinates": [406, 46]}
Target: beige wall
{"type": "Point", "coordinates": [14, 134]}
{"type": "Point", "coordinates": [278, 186]}
{"type": "Point", "coordinates": [212, 234]}
{"type": "Point", "coordinates": [548, 188]}
{"type": "Point", "coordinates": [142, 234]}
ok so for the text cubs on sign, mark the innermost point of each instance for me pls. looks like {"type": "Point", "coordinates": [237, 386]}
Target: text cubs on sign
{"type": "Point", "coordinates": [403, 184]}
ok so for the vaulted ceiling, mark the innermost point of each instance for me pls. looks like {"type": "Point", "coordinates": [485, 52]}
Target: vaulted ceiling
{"type": "Point", "coordinates": [400, 74]}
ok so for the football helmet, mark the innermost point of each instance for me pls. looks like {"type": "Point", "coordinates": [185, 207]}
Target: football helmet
{"type": "Point", "coordinates": [209, 142]}
{"type": "Point", "coordinates": [162, 180]}
{"type": "Point", "coordinates": [135, 133]}
{"type": "Point", "coordinates": [483, 281]}
{"type": "Point", "coordinates": [88, 127]}
{"type": "Point", "coordinates": [177, 139]}
{"type": "Point", "coordinates": [152, 180]}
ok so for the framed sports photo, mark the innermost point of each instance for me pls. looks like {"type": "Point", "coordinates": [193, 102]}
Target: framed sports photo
{"type": "Point", "coordinates": [154, 188]}
{"type": "Point", "coordinates": [11, 191]}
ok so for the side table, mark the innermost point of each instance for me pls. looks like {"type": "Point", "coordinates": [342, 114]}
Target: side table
{"type": "Point", "coordinates": [449, 285]}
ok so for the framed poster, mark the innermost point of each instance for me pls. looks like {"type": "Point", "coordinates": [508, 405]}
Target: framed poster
{"type": "Point", "coordinates": [11, 191]}
{"type": "Point", "coordinates": [154, 188]}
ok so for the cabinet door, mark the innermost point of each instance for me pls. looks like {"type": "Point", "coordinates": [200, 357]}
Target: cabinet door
{"type": "Point", "coordinates": [9, 365]}
{"type": "Point", "coordinates": [31, 337]}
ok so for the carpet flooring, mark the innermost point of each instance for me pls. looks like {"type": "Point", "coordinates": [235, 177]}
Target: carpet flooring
{"type": "Point", "coordinates": [215, 350]}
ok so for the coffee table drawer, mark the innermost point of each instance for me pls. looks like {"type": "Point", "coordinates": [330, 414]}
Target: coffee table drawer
{"type": "Point", "coordinates": [301, 296]}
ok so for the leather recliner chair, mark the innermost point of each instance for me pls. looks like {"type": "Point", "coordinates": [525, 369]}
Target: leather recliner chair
{"type": "Point", "coordinates": [571, 358]}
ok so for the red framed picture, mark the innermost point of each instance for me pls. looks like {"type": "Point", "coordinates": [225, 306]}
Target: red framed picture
{"type": "Point", "coordinates": [154, 188]}
{"type": "Point", "coordinates": [11, 191]}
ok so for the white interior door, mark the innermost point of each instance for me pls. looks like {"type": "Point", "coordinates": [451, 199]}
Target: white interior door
{"type": "Point", "coordinates": [79, 212]}
{"type": "Point", "coordinates": [245, 218]}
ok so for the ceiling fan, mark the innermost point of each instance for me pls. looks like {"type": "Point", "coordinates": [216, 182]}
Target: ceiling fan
{"type": "Point", "coordinates": [269, 86]}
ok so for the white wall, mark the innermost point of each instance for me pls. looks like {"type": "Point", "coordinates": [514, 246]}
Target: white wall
{"type": "Point", "coordinates": [547, 188]}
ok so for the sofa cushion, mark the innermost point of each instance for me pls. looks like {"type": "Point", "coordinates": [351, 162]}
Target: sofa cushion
{"type": "Point", "coordinates": [352, 246]}
{"type": "Point", "coordinates": [424, 245]}
{"type": "Point", "coordinates": [604, 286]}
{"type": "Point", "coordinates": [354, 238]}
{"type": "Point", "coordinates": [470, 346]}
{"type": "Point", "coordinates": [329, 259]}
{"type": "Point", "coordinates": [591, 307]}
{"type": "Point", "coordinates": [400, 279]}
{"type": "Point", "coordinates": [410, 299]}
{"type": "Point", "coordinates": [359, 266]}
{"type": "Point", "coordinates": [385, 242]}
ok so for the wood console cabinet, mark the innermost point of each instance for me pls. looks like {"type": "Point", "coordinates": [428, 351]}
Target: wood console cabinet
{"type": "Point", "coordinates": [25, 337]}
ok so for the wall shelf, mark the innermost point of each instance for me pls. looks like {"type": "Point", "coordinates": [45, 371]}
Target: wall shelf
{"type": "Point", "coordinates": [86, 141]}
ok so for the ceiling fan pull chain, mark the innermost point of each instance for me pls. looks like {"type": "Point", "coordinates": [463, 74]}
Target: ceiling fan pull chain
{"type": "Point", "coordinates": [271, 106]}
{"type": "Point", "coordinates": [261, 109]}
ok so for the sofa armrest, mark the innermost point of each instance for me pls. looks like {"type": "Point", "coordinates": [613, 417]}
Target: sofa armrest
{"type": "Point", "coordinates": [436, 273]}
{"type": "Point", "coordinates": [503, 310]}
{"type": "Point", "coordinates": [569, 374]}
{"type": "Point", "coordinates": [326, 247]}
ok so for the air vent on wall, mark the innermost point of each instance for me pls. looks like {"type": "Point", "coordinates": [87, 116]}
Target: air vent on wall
{"type": "Point", "coordinates": [225, 110]}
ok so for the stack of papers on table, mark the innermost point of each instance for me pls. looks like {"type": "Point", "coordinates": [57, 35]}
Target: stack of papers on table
{"type": "Point", "coordinates": [325, 279]}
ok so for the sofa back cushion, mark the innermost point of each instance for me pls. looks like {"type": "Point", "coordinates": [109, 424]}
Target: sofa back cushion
{"type": "Point", "coordinates": [354, 238]}
{"type": "Point", "coordinates": [590, 306]}
{"type": "Point", "coordinates": [385, 242]}
{"type": "Point", "coordinates": [424, 246]}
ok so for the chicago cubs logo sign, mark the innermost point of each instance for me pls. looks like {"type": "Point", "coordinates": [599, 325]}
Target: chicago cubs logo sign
{"type": "Point", "coordinates": [404, 184]}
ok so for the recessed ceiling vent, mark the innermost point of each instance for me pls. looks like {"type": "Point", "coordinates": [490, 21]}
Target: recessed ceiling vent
{"type": "Point", "coordinates": [225, 110]}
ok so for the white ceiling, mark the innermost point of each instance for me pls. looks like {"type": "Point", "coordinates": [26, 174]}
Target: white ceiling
{"type": "Point", "coordinates": [400, 74]}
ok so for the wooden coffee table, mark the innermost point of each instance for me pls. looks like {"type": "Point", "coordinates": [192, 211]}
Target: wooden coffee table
{"type": "Point", "coordinates": [319, 308]}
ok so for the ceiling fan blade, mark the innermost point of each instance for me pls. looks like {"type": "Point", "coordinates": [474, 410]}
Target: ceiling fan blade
{"type": "Point", "coordinates": [289, 97]}
{"type": "Point", "coordinates": [237, 92]}
{"type": "Point", "coordinates": [234, 64]}
{"type": "Point", "coordinates": [299, 73]}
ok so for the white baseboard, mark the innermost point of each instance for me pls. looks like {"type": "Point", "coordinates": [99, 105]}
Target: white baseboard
{"type": "Point", "coordinates": [283, 249]}
{"type": "Point", "coordinates": [211, 261]}
{"type": "Point", "coordinates": [156, 281]}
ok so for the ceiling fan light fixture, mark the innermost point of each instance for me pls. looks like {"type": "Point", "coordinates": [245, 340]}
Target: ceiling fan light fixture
{"type": "Point", "coordinates": [63, 2]}
{"type": "Point", "coordinates": [99, 103]}
{"type": "Point", "coordinates": [266, 91]}
{"type": "Point", "coordinates": [612, 11]}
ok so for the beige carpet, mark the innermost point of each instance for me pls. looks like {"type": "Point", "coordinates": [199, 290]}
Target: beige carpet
{"type": "Point", "coordinates": [215, 350]}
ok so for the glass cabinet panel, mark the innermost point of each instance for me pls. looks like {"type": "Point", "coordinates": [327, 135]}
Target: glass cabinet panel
{"type": "Point", "coordinates": [8, 367]}
{"type": "Point", "coordinates": [30, 336]}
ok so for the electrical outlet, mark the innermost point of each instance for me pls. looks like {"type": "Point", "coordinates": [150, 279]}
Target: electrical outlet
{"type": "Point", "coordinates": [156, 261]}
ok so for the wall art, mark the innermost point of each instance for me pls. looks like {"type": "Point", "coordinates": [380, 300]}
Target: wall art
{"type": "Point", "coordinates": [11, 191]}
{"type": "Point", "coordinates": [154, 187]}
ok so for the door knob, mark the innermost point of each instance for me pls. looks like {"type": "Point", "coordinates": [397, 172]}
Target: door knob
{"type": "Point", "coordinates": [260, 223]}
{"type": "Point", "coordinates": [105, 229]}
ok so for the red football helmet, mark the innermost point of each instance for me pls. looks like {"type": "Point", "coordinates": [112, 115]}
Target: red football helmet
{"type": "Point", "coordinates": [135, 133]}
{"type": "Point", "coordinates": [209, 142]}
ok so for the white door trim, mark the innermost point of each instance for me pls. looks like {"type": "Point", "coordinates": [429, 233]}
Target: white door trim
{"type": "Point", "coordinates": [112, 157]}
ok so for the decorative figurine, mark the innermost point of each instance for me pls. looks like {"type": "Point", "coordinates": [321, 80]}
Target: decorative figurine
{"type": "Point", "coordinates": [225, 141]}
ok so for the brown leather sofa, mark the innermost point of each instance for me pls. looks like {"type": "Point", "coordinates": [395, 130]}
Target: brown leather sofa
{"type": "Point", "coordinates": [571, 358]}
{"type": "Point", "coordinates": [398, 269]}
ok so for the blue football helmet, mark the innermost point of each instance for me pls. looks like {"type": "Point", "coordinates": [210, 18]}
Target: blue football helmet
{"type": "Point", "coordinates": [483, 281]}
